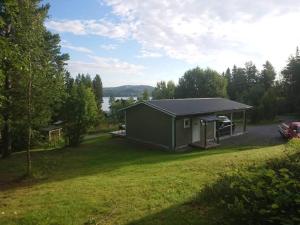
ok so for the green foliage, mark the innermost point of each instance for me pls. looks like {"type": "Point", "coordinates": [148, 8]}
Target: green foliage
{"type": "Point", "coordinates": [80, 113]}
{"type": "Point", "coordinates": [98, 90]}
{"type": "Point", "coordinates": [164, 91]}
{"type": "Point", "coordinates": [33, 70]}
{"type": "Point", "coordinates": [248, 85]}
{"type": "Point", "coordinates": [291, 82]}
{"type": "Point", "coordinates": [116, 113]}
{"type": "Point", "coordinates": [145, 96]}
{"type": "Point", "coordinates": [268, 75]}
{"type": "Point", "coordinates": [260, 195]}
{"type": "Point", "coordinates": [199, 83]}
{"type": "Point", "coordinates": [126, 90]}
{"type": "Point", "coordinates": [84, 79]}
{"type": "Point", "coordinates": [269, 104]}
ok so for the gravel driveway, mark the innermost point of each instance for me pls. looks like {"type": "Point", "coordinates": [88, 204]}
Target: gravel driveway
{"type": "Point", "coordinates": [258, 135]}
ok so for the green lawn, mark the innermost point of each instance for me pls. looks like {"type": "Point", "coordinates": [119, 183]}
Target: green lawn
{"type": "Point", "coordinates": [111, 181]}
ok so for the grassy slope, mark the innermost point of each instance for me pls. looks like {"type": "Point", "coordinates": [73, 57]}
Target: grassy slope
{"type": "Point", "coordinates": [114, 182]}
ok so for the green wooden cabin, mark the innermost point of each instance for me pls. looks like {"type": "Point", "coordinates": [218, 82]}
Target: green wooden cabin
{"type": "Point", "coordinates": [177, 123]}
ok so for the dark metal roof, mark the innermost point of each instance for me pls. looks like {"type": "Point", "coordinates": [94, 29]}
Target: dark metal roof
{"type": "Point", "coordinates": [193, 106]}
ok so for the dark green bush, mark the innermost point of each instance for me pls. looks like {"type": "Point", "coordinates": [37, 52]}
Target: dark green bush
{"type": "Point", "coordinates": [260, 195]}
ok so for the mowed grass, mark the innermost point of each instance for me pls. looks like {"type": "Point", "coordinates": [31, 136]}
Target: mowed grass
{"type": "Point", "coordinates": [112, 181]}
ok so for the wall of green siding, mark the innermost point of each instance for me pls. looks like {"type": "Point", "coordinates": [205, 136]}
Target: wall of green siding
{"type": "Point", "coordinates": [146, 124]}
{"type": "Point", "coordinates": [183, 135]}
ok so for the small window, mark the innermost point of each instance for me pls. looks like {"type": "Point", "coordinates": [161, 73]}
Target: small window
{"type": "Point", "coordinates": [186, 123]}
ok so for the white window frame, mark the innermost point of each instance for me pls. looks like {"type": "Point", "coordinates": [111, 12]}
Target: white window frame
{"type": "Point", "coordinates": [188, 125]}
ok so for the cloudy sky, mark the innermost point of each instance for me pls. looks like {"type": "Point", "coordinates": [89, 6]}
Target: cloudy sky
{"type": "Point", "coordinates": [142, 42]}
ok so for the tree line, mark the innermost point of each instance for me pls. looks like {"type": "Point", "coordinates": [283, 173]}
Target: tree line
{"type": "Point", "coordinates": [35, 88]}
{"type": "Point", "coordinates": [261, 89]}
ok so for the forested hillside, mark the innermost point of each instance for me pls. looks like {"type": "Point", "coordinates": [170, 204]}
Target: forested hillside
{"type": "Point", "coordinates": [126, 90]}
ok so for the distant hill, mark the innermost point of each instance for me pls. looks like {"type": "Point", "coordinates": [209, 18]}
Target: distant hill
{"type": "Point", "coordinates": [126, 90]}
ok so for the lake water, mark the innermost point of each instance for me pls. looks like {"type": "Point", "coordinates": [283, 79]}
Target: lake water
{"type": "Point", "coordinates": [105, 104]}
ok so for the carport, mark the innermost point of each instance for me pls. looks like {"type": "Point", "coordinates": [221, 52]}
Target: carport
{"type": "Point", "coordinates": [177, 123]}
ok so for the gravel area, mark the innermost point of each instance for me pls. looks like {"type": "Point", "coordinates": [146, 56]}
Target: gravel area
{"type": "Point", "coordinates": [258, 135]}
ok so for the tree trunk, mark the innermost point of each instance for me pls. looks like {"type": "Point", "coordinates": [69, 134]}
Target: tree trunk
{"type": "Point", "coordinates": [29, 122]}
{"type": "Point", "coordinates": [6, 132]}
{"type": "Point", "coordinates": [28, 152]}
{"type": "Point", "coordinates": [7, 148]}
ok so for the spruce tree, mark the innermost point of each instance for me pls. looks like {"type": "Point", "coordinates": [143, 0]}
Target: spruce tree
{"type": "Point", "coordinates": [98, 90]}
{"type": "Point", "coordinates": [33, 70]}
{"type": "Point", "coordinates": [268, 75]}
{"type": "Point", "coordinates": [80, 113]}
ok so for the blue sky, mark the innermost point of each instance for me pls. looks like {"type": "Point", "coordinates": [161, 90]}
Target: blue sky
{"type": "Point", "coordinates": [143, 42]}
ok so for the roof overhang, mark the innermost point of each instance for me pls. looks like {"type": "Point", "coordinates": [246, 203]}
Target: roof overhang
{"type": "Point", "coordinates": [184, 115]}
{"type": "Point", "coordinates": [215, 112]}
{"type": "Point", "coordinates": [150, 105]}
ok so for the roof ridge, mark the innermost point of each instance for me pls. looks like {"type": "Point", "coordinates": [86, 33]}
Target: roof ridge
{"type": "Point", "coordinates": [193, 106]}
{"type": "Point", "coordinates": [168, 99]}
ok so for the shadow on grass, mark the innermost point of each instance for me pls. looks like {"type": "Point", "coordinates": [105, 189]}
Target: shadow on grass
{"type": "Point", "coordinates": [189, 213]}
{"type": "Point", "coordinates": [99, 155]}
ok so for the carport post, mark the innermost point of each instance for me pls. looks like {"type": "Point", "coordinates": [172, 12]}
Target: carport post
{"type": "Point", "coordinates": [205, 135]}
{"type": "Point", "coordinates": [231, 118]}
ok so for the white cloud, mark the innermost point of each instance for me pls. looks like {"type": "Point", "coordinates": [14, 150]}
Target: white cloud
{"type": "Point", "coordinates": [72, 26]}
{"type": "Point", "coordinates": [110, 66]}
{"type": "Point", "coordinates": [149, 54]}
{"type": "Point", "coordinates": [113, 71]}
{"type": "Point", "coordinates": [205, 32]}
{"type": "Point", "coordinates": [76, 48]}
{"type": "Point", "coordinates": [213, 32]}
{"type": "Point", "coordinates": [90, 27]}
{"type": "Point", "coordinates": [108, 46]}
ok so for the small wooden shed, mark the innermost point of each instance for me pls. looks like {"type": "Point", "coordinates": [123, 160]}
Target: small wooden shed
{"type": "Point", "coordinates": [53, 132]}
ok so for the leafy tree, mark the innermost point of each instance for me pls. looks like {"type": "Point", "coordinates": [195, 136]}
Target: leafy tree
{"type": "Point", "coordinates": [268, 75]}
{"type": "Point", "coordinates": [98, 90]}
{"type": "Point", "coordinates": [164, 90]}
{"type": "Point", "coordinates": [253, 97]}
{"type": "Point", "coordinates": [291, 82]}
{"type": "Point", "coordinates": [39, 82]}
{"type": "Point", "coordinates": [33, 70]}
{"type": "Point", "coordinates": [238, 84]}
{"type": "Point", "coordinates": [112, 99]}
{"type": "Point", "coordinates": [145, 96]}
{"type": "Point", "coordinates": [84, 79]}
{"type": "Point", "coordinates": [116, 113]}
{"type": "Point", "coordinates": [251, 74]}
{"type": "Point", "coordinates": [230, 88]}
{"type": "Point", "coordinates": [269, 104]}
{"type": "Point", "coordinates": [81, 113]}
{"type": "Point", "coordinates": [1, 93]}
{"type": "Point", "coordinates": [249, 86]}
{"type": "Point", "coordinates": [9, 60]}
{"type": "Point", "coordinates": [199, 83]}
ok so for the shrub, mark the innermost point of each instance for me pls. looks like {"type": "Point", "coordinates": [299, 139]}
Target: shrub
{"type": "Point", "coordinates": [261, 195]}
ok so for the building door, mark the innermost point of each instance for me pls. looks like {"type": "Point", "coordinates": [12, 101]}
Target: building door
{"type": "Point", "coordinates": [196, 130]}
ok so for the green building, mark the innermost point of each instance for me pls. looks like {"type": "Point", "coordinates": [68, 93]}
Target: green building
{"type": "Point", "coordinates": [177, 123]}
